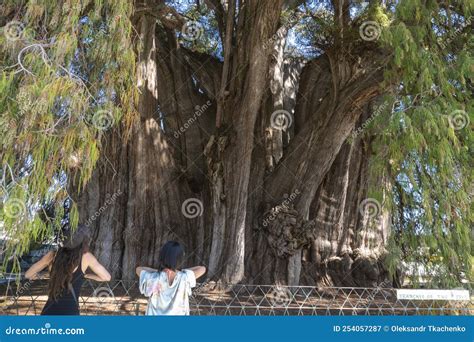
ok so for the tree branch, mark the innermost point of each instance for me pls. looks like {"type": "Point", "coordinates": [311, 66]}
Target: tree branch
{"type": "Point", "coordinates": [227, 55]}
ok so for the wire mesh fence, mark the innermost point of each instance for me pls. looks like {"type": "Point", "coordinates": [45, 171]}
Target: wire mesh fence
{"type": "Point", "coordinates": [123, 298]}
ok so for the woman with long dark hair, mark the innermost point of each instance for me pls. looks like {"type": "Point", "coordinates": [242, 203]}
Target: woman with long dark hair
{"type": "Point", "coordinates": [168, 287]}
{"type": "Point", "coordinates": [68, 268]}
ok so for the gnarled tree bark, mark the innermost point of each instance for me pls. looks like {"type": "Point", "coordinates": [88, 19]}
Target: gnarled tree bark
{"type": "Point", "coordinates": [279, 205]}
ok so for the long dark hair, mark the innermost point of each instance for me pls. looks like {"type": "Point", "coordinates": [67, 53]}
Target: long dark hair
{"type": "Point", "coordinates": [171, 256]}
{"type": "Point", "coordinates": [66, 260]}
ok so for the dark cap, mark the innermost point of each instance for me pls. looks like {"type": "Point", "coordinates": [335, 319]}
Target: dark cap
{"type": "Point", "coordinates": [76, 238]}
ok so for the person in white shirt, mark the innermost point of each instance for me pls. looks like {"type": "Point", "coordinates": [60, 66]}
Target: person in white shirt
{"type": "Point", "coordinates": [168, 288]}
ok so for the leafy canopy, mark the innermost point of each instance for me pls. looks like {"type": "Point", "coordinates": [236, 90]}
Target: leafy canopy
{"type": "Point", "coordinates": [68, 72]}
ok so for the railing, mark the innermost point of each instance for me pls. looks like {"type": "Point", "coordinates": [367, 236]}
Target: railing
{"type": "Point", "coordinates": [123, 298]}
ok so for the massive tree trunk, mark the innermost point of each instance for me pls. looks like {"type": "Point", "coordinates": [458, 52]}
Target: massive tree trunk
{"type": "Point", "coordinates": [279, 205]}
{"type": "Point", "coordinates": [230, 151]}
{"type": "Point", "coordinates": [142, 172]}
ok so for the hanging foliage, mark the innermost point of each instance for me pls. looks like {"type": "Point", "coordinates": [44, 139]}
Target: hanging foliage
{"type": "Point", "coordinates": [67, 77]}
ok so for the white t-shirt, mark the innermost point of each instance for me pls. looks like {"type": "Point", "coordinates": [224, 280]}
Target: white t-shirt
{"type": "Point", "coordinates": [163, 298]}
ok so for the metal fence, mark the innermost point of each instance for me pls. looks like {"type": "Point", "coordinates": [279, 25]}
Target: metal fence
{"type": "Point", "coordinates": [123, 298]}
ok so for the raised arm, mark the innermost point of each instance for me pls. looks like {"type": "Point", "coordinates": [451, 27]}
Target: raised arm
{"type": "Point", "coordinates": [37, 267]}
{"type": "Point", "coordinates": [198, 271]}
{"type": "Point", "coordinates": [100, 273]}
{"type": "Point", "coordinates": [139, 269]}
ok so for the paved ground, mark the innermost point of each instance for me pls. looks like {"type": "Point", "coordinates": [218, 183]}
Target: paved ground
{"type": "Point", "coordinates": [122, 298]}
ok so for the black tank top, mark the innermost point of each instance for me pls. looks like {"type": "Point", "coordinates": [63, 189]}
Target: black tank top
{"type": "Point", "coordinates": [68, 302]}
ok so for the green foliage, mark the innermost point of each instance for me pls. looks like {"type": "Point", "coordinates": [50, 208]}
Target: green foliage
{"type": "Point", "coordinates": [67, 75]}
{"type": "Point", "coordinates": [427, 144]}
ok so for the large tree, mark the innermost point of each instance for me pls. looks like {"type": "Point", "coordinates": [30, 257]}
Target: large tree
{"type": "Point", "coordinates": [316, 142]}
